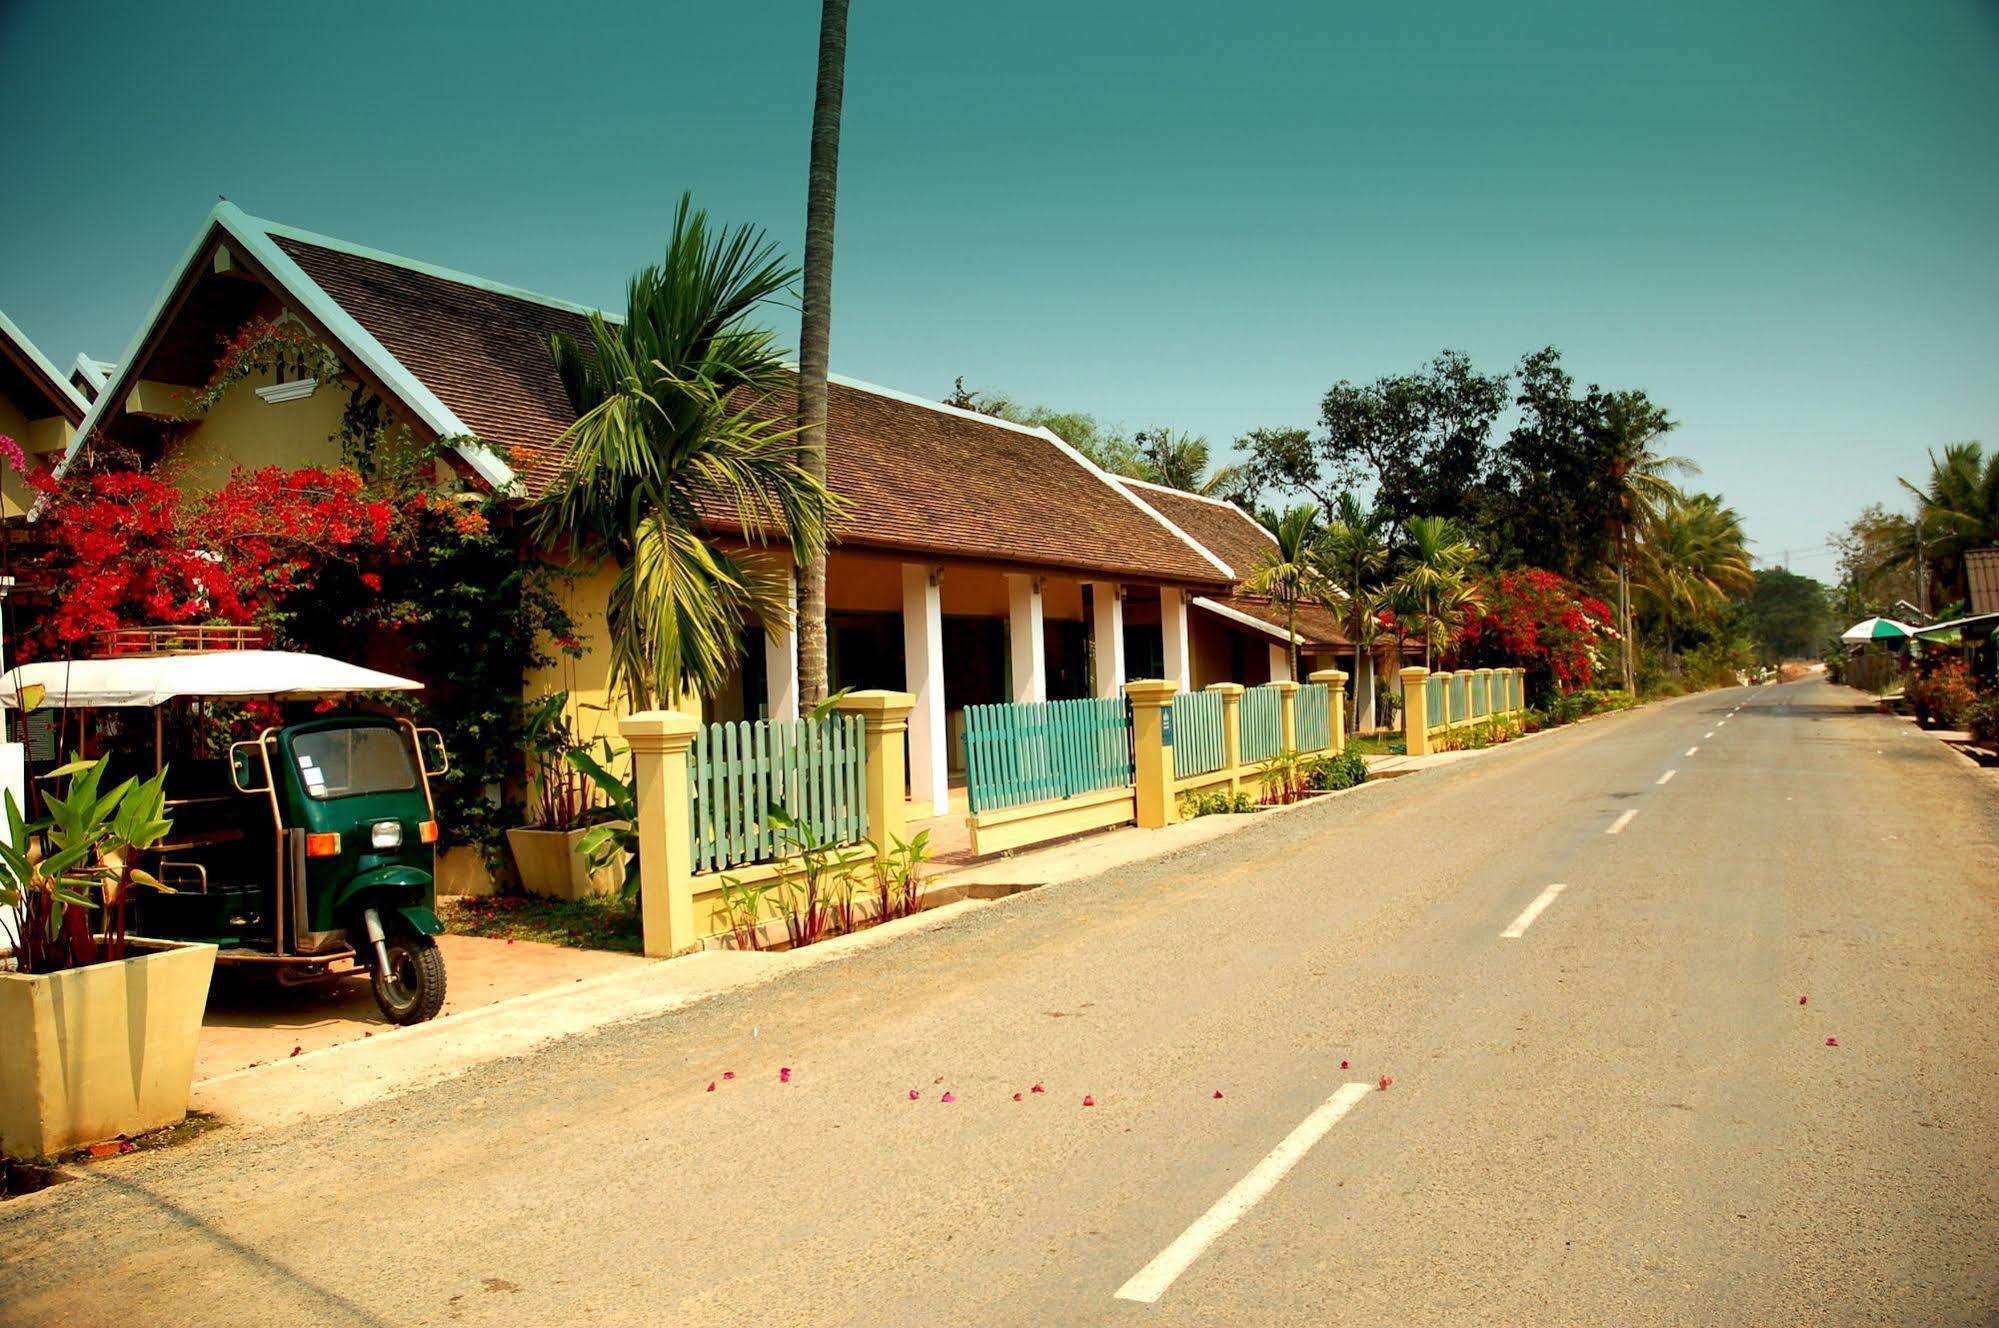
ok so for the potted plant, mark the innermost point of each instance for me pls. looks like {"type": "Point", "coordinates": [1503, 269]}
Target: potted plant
{"type": "Point", "coordinates": [97, 1029]}
{"type": "Point", "coordinates": [548, 852]}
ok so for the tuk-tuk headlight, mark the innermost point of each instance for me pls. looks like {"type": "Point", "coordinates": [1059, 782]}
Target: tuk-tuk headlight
{"type": "Point", "coordinates": [387, 834]}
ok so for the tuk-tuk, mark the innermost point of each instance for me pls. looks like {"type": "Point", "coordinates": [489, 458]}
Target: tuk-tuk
{"type": "Point", "coordinates": [309, 852]}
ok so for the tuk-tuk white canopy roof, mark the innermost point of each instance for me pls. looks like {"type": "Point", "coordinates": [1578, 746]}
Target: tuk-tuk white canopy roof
{"type": "Point", "coordinates": [149, 680]}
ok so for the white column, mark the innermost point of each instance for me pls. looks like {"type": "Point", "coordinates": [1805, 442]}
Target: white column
{"type": "Point", "coordinates": [1280, 663]}
{"type": "Point", "coordinates": [1029, 644]}
{"type": "Point", "coordinates": [923, 678]}
{"type": "Point", "coordinates": [1363, 691]}
{"type": "Point", "coordinates": [1107, 637]}
{"type": "Point", "coordinates": [1173, 628]}
{"type": "Point", "coordinates": [781, 659]}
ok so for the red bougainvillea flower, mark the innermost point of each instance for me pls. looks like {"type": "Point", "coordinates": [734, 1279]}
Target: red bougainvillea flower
{"type": "Point", "coordinates": [711, 1086]}
{"type": "Point", "coordinates": [1218, 1095]}
{"type": "Point", "coordinates": [913, 1095]}
{"type": "Point", "coordinates": [1385, 1082]}
{"type": "Point", "coordinates": [1801, 1000]}
{"type": "Point", "coordinates": [728, 1074]}
{"type": "Point", "coordinates": [1016, 1097]}
{"type": "Point", "coordinates": [948, 1097]}
{"type": "Point", "coordinates": [784, 1075]}
{"type": "Point", "coordinates": [1832, 1042]}
{"type": "Point", "coordinates": [1037, 1089]}
{"type": "Point", "coordinates": [1089, 1101]}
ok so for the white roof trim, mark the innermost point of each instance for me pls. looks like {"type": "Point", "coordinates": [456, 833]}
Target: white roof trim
{"type": "Point", "coordinates": [1247, 620]}
{"type": "Point", "coordinates": [942, 408]}
{"type": "Point", "coordinates": [34, 352]}
{"type": "Point", "coordinates": [255, 237]}
{"type": "Point", "coordinates": [95, 372]}
{"type": "Point", "coordinates": [1254, 524]}
{"type": "Point", "coordinates": [1110, 481]}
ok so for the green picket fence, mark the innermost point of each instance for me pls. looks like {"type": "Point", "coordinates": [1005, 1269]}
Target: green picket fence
{"type": "Point", "coordinates": [1460, 709]}
{"type": "Point", "coordinates": [1481, 695]}
{"type": "Point", "coordinates": [1314, 717]}
{"type": "Point", "coordinates": [1262, 724]}
{"type": "Point", "coordinates": [1197, 734]}
{"type": "Point", "coordinates": [813, 769]}
{"type": "Point", "coordinates": [1433, 695]}
{"type": "Point", "coordinates": [1035, 751]}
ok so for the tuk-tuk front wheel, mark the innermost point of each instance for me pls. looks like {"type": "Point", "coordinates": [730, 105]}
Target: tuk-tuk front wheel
{"type": "Point", "coordinates": [412, 988]}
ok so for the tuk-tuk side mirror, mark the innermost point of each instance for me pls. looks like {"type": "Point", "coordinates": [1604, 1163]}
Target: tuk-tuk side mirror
{"type": "Point", "coordinates": [246, 767]}
{"type": "Point", "coordinates": [430, 753]}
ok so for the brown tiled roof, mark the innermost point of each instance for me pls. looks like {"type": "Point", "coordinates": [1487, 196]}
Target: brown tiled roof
{"type": "Point", "coordinates": [483, 354]}
{"type": "Point", "coordinates": [1229, 533]}
{"type": "Point", "coordinates": [1982, 567]}
{"type": "Point", "coordinates": [1317, 624]}
{"type": "Point", "coordinates": [918, 478]}
{"type": "Point", "coordinates": [922, 479]}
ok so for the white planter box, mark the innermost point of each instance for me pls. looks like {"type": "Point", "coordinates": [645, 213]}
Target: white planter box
{"type": "Point", "coordinates": [92, 1053]}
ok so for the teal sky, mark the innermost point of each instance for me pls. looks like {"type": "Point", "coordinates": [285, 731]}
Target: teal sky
{"type": "Point", "coordinates": [1778, 218]}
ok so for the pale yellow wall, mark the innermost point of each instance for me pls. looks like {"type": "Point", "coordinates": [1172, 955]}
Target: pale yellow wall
{"type": "Point", "coordinates": [13, 493]}
{"type": "Point", "coordinates": [38, 437]}
{"type": "Point", "coordinates": [243, 430]}
{"type": "Point", "coordinates": [592, 714]}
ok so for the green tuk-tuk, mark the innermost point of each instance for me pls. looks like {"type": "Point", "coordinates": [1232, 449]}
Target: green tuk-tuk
{"type": "Point", "coordinates": [310, 851]}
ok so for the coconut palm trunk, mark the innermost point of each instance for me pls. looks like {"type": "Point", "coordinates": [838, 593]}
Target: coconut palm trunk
{"type": "Point", "coordinates": [816, 327]}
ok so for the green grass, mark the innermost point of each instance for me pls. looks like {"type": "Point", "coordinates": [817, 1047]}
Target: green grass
{"type": "Point", "coordinates": [1377, 744]}
{"type": "Point", "coordinates": [587, 924]}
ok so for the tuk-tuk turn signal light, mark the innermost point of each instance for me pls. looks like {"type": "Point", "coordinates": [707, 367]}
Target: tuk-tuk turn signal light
{"type": "Point", "coordinates": [323, 845]}
{"type": "Point", "coordinates": [427, 832]}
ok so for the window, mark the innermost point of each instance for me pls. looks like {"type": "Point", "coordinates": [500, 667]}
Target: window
{"type": "Point", "coordinates": [339, 763]}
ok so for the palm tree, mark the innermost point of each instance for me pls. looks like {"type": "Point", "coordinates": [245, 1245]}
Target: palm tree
{"type": "Point", "coordinates": [815, 329]}
{"type": "Point", "coordinates": [1291, 574]}
{"type": "Point", "coordinates": [1354, 550]}
{"type": "Point", "coordinates": [1958, 511]}
{"type": "Point", "coordinates": [1434, 583]}
{"type": "Point", "coordinates": [1638, 485]}
{"type": "Point", "coordinates": [668, 428]}
{"type": "Point", "coordinates": [1180, 461]}
{"type": "Point", "coordinates": [1691, 557]}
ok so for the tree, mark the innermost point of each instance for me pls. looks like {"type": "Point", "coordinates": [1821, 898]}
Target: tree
{"type": "Point", "coordinates": [1554, 504]}
{"type": "Point", "coordinates": [1433, 588]}
{"type": "Point", "coordinates": [1957, 511]}
{"type": "Point", "coordinates": [1180, 461]}
{"type": "Point", "coordinates": [1788, 614]}
{"type": "Point", "coordinates": [1354, 551]}
{"type": "Point", "coordinates": [816, 327]}
{"type": "Point", "coordinates": [1638, 484]}
{"type": "Point", "coordinates": [668, 430]}
{"type": "Point", "coordinates": [1691, 557]}
{"type": "Point", "coordinates": [1420, 441]}
{"type": "Point", "coordinates": [1107, 446]}
{"type": "Point", "coordinates": [1543, 622]}
{"type": "Point", "coordinates": [1292, 574]}
{"type": "Point", "coordinates": [1879, 553]}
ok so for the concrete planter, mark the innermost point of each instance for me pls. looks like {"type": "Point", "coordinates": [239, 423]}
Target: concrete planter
{"type": "Point", "coordinates": [550, 865]}
{"type": "Point", "coordinates": [462, 870]}
{"type": "Point", "coordinates": [91, 1053]}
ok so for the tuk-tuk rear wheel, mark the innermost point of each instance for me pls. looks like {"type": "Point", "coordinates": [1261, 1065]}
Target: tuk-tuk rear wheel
{"type": "Point", "coordinates": [412, 991]}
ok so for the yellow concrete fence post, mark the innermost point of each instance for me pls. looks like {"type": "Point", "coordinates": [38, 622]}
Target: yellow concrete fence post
{"type": "Point", "coordinates": [1231, 730]}
{"type": "Point", "coordinates": [1152, 749]}
{"type": "Point", "coordinates": [1519, 689]}
{"type": "Point", "coordinates": [1416, 710]}
{"type": "Point", "coordinates": [1287, 714]}
{"type": "Point", "coordinates": [1335, 682]}
{"type": "Point", "coordinates": [659, 741]}
{"type": "Point", "coordinates": [885, 721]}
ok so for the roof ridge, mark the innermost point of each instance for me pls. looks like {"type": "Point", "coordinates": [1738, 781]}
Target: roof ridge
{"type": "Point", "coordinates": [453, 275]}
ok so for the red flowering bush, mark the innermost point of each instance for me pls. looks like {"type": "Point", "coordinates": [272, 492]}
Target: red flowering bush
{"type": "Point", "coordinates": [128, 548]}
{"type": "Point", "coordinates": [1943, 693]}
{"type": "Point", "coordinates": [1542, 622]}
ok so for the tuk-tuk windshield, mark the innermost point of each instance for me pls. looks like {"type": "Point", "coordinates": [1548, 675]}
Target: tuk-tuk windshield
{"type": "Point", "coordinates": [339, 763]}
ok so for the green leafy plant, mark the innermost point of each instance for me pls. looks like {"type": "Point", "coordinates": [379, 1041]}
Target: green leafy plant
{"type": "Point", "coordinates": [1215, 802]}
{"type": "Point", "coordinates": [616, 840]}
{"type": "Point", "coordinates": [818, 896]}
{"type": "Point", "coordinates": [81, 856]}
{"type": "Point", "coordinates": [561, 791]}
{"type": "Point", "coordinates": [1330, 774]}
{"type": "Point", "coordinates": [1281, 778]}
{"type": "Point", "coordinates": [743, 909]}
{"type": "Point", "coordinates": [899, 876]}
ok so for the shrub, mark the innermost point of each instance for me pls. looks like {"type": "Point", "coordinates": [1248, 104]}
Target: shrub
{"type": "Point", "coordinates": [1329, 774]}
{"type": "Point", "coordinates": [1214, 802]}
{"type": "Point", "coordinates": [1982, 718]}
{"type": "Point", "coordinates": [1943, 695]}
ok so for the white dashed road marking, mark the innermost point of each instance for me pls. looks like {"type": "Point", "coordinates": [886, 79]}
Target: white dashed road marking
{"type": "Point", "coordinates": [1151, 1281]}
{"type": "Point", "coordinates": [1617, 826]}
{"type": "Point", "coordinates": [1663, 778]}
{"type": "Point", "coordinates": [1532, 911]}
{"type": "Point", "coordinates": [1691, 750]}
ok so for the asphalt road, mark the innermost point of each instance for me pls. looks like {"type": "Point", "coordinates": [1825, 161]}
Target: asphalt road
{"type": "Point", "coordinates": [1620, 1115]}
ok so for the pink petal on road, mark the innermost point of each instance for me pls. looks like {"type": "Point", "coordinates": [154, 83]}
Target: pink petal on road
{"type": "Point", "coordinates": [728, 1074]}
{"type": "Point", "coordinates": [1343, 1065]}
{"type": "Point", "coordinates": [1832, 1042]}
{"type": "Point", "coordinates": [1016, 1097]}
{"type": "Point", "coordinates": [1218, 1095]}
{"type": "Point", "coordinates": [1089, 1101]}
{"type": "Point", "coordinates": [913, 1095]}
{"type": "Point", "coordinates": [1385, 1082]}
{"type": "Point", "coordinates": [711, 1086]}
{"type": "Point", "coordinates": [1037, 1089]}
{"type": "Point", "coordinates": [949, 1097]}
{"type": "Point", "coordinates": [1801, 1000]}
{"type": "Point", "coordinates": [784, 1075]}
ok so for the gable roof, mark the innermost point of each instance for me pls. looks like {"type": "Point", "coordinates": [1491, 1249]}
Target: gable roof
{"type": "Point", "coordinates": [26, 360]}
{"type": "Point", "coordinates": [1981, 567]}
{"type": "Point", "coordinates": [1230, 533]}
{"type": "Point", "coordinates": [468, 358]}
